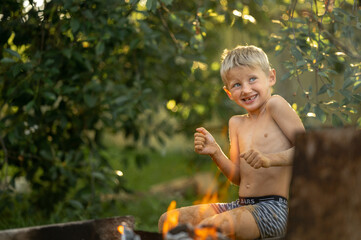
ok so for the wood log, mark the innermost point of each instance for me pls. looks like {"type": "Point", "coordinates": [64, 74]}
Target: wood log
{"type": "Point", "coordinates": [98, 229]}
{"type": "Point", "coordinates": [325, 195]}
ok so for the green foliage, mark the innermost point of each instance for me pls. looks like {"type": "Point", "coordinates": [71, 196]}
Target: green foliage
{"type": "Point", "coordinates": [72, 69]}
{"type": "Point", "coordinates": [323, 39]}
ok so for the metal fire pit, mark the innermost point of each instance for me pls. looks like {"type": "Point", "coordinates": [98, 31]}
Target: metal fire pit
{"type": "Point", "coordinates": [98, 229]}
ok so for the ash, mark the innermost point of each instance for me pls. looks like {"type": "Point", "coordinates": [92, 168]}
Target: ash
{"type": "Point", "coordinates": [188, 232]}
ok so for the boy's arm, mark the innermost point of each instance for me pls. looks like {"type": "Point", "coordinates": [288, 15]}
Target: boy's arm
{"type": "Point", "coordinates": [205, 144]}
{"type": "Point", "coordinates": [290, 124]}
{"type": "Point", "coordinates": [257, 159]}
{"type": "Point", "coordinates": [285, 117]}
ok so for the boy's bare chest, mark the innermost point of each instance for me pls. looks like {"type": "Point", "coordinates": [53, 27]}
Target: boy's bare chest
{"type": "Point", "coordinates": [262, 134]}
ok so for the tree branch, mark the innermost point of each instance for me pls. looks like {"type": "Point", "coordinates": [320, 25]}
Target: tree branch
{"type": "Point", "coordinates": [338, 44]}
{"type": "Point", "coordinates": [165, 25]}
{"type": "Point", "coordinates": [5, 160]}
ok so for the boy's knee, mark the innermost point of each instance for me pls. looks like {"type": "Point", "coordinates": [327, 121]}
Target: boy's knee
{"type": "Point", "coordinates": [161, 222]}
{"type": "Point", "coordinates": [206, 221]}
{"type": "Point", "coordinates": [224, 223]}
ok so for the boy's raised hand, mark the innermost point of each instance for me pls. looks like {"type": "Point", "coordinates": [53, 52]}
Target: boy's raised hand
{"type": "Point", "coordinates": [255, 159]}
{"type": "Point", "coordinates": [204, 142]}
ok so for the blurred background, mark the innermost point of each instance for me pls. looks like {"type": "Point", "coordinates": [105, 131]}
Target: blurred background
{"type": "Point", "coordinates": [99, 99]}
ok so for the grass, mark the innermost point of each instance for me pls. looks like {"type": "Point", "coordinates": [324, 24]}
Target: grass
{"type": "Point", "coordinates": [147, 208]}
{"type": "Point", "coordinates": [141, 170]}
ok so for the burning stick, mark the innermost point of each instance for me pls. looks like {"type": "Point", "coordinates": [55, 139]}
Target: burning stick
{"type": "Point", "coordinates": [127, 233]}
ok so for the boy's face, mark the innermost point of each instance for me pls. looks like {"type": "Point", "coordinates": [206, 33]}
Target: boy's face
{"type": "Point", "coordinates": [249, 87]}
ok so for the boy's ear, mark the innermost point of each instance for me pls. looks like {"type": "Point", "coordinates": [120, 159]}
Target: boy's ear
{"type": "Point", "coordinates": [228, 92]}
{"type": "Point", "coordinates": [272, 77]}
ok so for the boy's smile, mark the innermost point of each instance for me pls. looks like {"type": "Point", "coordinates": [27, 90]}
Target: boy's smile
{"type": "Point", "coordinates": [250, 87]}
{"type": "Point", "coordinates": [250, 100]}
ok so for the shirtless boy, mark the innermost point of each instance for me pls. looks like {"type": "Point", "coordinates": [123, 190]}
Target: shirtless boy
{"type": "Point", "coordinates": [261, 150]}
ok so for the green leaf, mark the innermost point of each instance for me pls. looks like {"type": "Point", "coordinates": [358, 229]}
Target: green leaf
{"type": "Point", "coordinates": [122, 99]}
{"type": "Point", "coordinates": [323, 89]}
{"type": "Point", "coordinates": [134, 43]}
{"type": "Point", "coordinates": [176, 20]}
{"type": "Point", "coordinates": [12, 52]}
{"type": "Point", "coordinates": [16, 69]}
{"type": "Point", "coordinates": [68, 90]}
{"type": "Point", "coordinates": [357, 97]}
{"type": "Point", "coordinates": [298, 20]}
{"type": "Point", "coordinates": [306, 108]}
{"type": "Point", "coordinates": [90, 100]}
{"type": "Point", "coordinates": [7, 60]}
{"type": "Point", "coordinates": [99, 48]}
{"type": "Point", "coordinates": [356, 85]}
{"type": "Point", "coordinates": [301, 63]}
{"type": "Point", "coordinates": [45, 153]}
{"type": "Point", "coordinates": [320, 114]}
{"type": "Point", "coordinates": [88, 14]}
{"type": "Point", "coordinates": [74, 24]}
{"type": "Point", "coordinates": [259, 2]}
{"type": "Point", "coordinates": [99, 176]}
{"type": "Point", "coordinates": [322, 74]}
{"type": "Point", "coordinates": [76, 204]}
{"type": "Point", "coordinates": [29, 105]}
{"type": "Point", "coordinates": [296, 53]}
{"type": "Point", "coordinates": [330, 92]}
{"type": "Point", "coordinates": [348, 82]}
{"type": "Point", "coordinates": [49, 62]}
{"type": "Point", "coordinates": [13, 137]}
{"type": "Point", "coordinates": [167, 2]}
{"type": "Point", "coordinates": [346, 93]}
{"type": "Point", "coordinates": [358, 25]}
{"type": "Point", "coordinates": [67, 53]}
{"type": "Point", "coordinates": [151, 5]}
{"type": "Point", "coordinates": [346, 117]}
{"type": "Point", "coordinates": [49, 96]}
{"type": "Point", "coordinates": [336, 121]}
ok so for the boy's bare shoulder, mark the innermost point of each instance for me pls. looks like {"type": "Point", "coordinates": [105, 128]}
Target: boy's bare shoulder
{"type": "Point", "coordinates": [276, 102]}
{"type": "Point", "coordinates": [237, 119]}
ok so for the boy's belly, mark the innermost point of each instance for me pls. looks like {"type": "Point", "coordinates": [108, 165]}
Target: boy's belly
{"type": "Point", "coordinates": [265, 181]}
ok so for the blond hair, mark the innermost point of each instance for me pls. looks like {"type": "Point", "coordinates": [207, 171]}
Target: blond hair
{"type": "Point", "coordinates": [250, 56]}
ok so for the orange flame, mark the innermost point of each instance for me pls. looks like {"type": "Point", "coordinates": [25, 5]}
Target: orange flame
{"type": "Point", "coordinates": [121, 229]}
{"type": "Point", "coordinates": [211, 195]}
{"type": "Point", "coordinates": [205, 233]}
{"type": "Point", "coordinates": [172, 218]}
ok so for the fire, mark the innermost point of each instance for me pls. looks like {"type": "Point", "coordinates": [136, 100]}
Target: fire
{"type": "Point", "coordinates": [172, 218]}
{"type": "Point", "coordinates": [211, 194]}
{"type": "Point", "coordinates": [210, 197]}
{"type": "Point", "coordinates": [205, 233]}
{"type": "Point", "coordinates": [121, 229]}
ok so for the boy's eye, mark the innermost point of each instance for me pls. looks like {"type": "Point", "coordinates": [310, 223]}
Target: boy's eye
{"type": "Point", "coordinates": [236, 85]}
{"type": "Point", "coordinates": [252, 79]}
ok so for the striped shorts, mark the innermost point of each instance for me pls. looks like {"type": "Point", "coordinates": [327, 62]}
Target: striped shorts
{"type": "Point", "coordinates": [269, 212]}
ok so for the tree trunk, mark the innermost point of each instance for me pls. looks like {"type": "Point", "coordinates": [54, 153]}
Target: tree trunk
{"type": "Point", "coordinates": [325, 196]}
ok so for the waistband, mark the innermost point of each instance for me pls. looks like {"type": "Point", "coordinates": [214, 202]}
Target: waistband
{"type": "Point", "coordinates": [254, 200]}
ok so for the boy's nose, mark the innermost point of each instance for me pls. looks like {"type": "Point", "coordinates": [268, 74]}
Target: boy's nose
{"type": "Point", "coordinates": [246, 88]}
